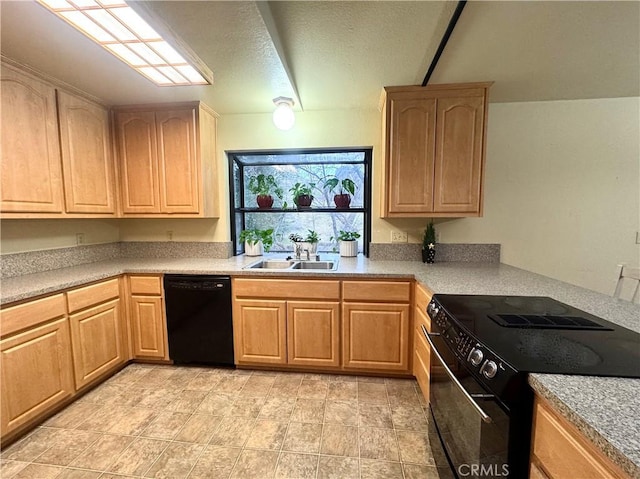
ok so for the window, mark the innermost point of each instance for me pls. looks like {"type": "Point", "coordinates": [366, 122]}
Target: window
{"type": "Point", "coordinates": [312, 168]}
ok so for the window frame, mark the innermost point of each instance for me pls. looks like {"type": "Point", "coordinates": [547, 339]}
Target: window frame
{"type": "Point", "coordinates": [232, 158]}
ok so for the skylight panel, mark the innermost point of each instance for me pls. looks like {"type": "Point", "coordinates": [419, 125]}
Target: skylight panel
{"type": "Point", "coordinates": [121, 31]}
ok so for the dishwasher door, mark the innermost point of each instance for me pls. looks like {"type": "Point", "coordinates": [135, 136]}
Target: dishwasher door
{"type": "Point", "coordinates": [199, 321]}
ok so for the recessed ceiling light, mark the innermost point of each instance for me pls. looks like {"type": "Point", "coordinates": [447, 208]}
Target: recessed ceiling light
{"type": "Point", "coordinates": [121, 31]}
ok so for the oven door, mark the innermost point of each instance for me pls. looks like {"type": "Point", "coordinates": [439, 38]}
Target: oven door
{"type": "Point", "coordinates": [471, 424]}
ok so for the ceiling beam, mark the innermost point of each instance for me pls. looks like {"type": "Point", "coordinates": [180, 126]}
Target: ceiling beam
{"type": "Point", "coordinates": [269, 22]}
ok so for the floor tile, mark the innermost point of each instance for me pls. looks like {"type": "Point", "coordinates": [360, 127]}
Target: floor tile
{"type": "Point", "coordinates": [166, 425]}
{"type": "Point", "coordinates": [39, 471]}
{"type": "Point", "coordinates": [176, 461]}
{"type": "Point", "coordinates": [216, 404]}
{"type": "Point", "coordinates": [199, 428]}
{"type": "Point", "coordinates": [78, 474]}
{"type": "Point", "coordinates": [308, 410]}
{"type": "Point", "coordinates": [313, 389]}
{"type": "Point", "coordinates": [277, 408]}
{"type": "Point", "coordinates": [9, 469]}
{"type": "Point", "coordinates": [103, 452]}
{"type": "Point", "coordinates": [371, 379]}
{"type": "Point", "coordinates": [334, 467]}
{"type": "Point", "coordinates": [257, 386]}
{"type": "Point", "coordinates": [215, 462]}
{"type": "Point", "coordinates": [419, 471]}
{"type": "Point", "coordinates": [285, 390]}
{"type": "Point", "coordinates": [66, 445]}
{"type": "Point", "coordinates": [247, 407]}
{"type": "Point", "coordinates": [267, 434]}
{"type": "Point", "coordinates": [253, 464]}
{"type": "Point", "coordinates": [297, 466]}
{"type": "Point", "coordinates": [409, 417]}
{"type": "Point", "coordinates": [303, 437]}
{"type": "Point", "coordinates": [374, 415]}
{"type": "Point", "coordinates": [376, 443]}
{"type": "Point", "coordinates": [380, 469]}
{"type": "Point", "coordinates": [344, 378]}
{"type": "Point", "coordinates": [159, 398]}
{"type": "Point", "coordinates": [231, 384]}
{"type": "Point", "coordinates": [372, 393]}
{"type": "Point", "coordinates": [342, 390]}
{"type": "Point", "coordinates": [232, 431]}
{"type": "Point", "coordinates": [414, 447]}
{"type": "Point", "coordinates": [318, 376]}
{"type": "Point", "coordinates": [399, 394]}
{"type": "Point", "coordinates": [138, 457]}
{"type": "Point", "coordinates": [187, 401]}
{"type": "Point", "coordinates": [339, 440]}
{"type": "Point", "coordinates": [73, 415]}
{"type": "Point", "coordinates": [202, 382]}
{"type": "Point", "coordinates": [131, 421]}
{"type": "Point", "coordinates": [341, 412]}
{"type": "Point", "coordinates": [29, 448]}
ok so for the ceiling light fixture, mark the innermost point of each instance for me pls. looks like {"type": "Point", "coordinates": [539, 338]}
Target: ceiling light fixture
{"type": "Point", "coordinates": [283, 116]}
{"type": "Point", "coordinates": [121, 31]}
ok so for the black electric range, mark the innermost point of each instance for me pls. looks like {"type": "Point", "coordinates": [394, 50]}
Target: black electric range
{"type": "Point", "coordinates": [542, 335]}
{"type": "Point", "coordinates": [482, 407]}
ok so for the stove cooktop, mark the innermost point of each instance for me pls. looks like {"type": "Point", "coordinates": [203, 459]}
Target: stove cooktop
{"type": "Point", "coordinates": [540, 334]}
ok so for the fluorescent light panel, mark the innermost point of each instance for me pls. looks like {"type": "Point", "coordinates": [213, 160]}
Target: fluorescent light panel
{"type": "Point", "coordinates": [121, 31]}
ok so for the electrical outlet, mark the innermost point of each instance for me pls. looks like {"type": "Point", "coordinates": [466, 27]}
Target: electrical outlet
{"type": "Point", "coordinates": [170, 235]}
{"type": "Point", "coordinates": [399, 237]}
{"type": "Point", "coordinates": [79, 238]}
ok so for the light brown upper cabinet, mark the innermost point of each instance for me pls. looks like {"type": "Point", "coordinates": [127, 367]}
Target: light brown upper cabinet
{"type": "Point", "coordinates": [167, 158]}
{"type": "Point", "coordinates": [434, 140]}
{"type": "Point", "coordinates": [86, 156]}
{"type": "Point", "coordinates": [31, 178]}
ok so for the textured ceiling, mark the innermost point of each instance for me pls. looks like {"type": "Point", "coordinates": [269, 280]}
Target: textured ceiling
{"type": "Point", "coordinates": [340, 54]}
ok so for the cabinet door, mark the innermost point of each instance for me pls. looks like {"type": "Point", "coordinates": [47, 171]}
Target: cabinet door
{"type": "Point", "coordinates": [86, 156]}
{"type": "Point", "coordinates": [178, 161]}
{"type": "Point", "coordinates": [137, 151]}
{"type": "Point", "coordinates": [376, 336]}
{"type": "Point", "coordinates": [30, 179]}
{"type": "Point", "coordinates": [260, 331]}
{"type": "Point", "coordinates": [312, 333]}
{"type": "Point", "coordinates": [458, 165]}
{"type": "Point", "coordinates": [36, 372]}
{"type": "Point", "coordinates": [96, 341]}
{"type": "Point", "coordinates": [147, 327]}
{"type": "Point", "coordinates": [411, 155]}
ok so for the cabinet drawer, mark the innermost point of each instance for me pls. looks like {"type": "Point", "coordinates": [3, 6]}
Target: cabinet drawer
{"type": "Point", "coordinates": [29, 314]}
{"type": "Point", "coordinates": [285, 288]}
{"type": "Point", "coordinates": [81, 298]}
{"type": "Point", "coordinates": [423, 296]}
{"type": "Point", "coordinates": [395, 291]}
{"type": "Point", "coordinates": [563, 452]}
{"type": "Point", "coordinates": [422, 319]}
{"type": "Point", "coordinates": [422, 363]}
{"type": "Point", "coordinates": [146, 285]}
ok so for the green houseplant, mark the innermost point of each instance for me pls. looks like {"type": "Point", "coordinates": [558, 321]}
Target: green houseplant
{"type": "Point", "coordinates": [345, 189]}
{"type": "Point", "coordinates": [310, 242]}
{"type": "Point", "coordinates": [348, 243]}
{"type": "Point", "coordinates": [302, 196]}
{"type": "Point", "coordinates": [256, 240]}
{"type": "Point", "coordinates": [429, 244]}
{"type": "Point", "coordinates": [263, 186]}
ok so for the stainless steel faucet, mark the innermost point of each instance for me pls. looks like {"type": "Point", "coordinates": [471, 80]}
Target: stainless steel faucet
{"type": "Point", "coordinates": [308, 257]}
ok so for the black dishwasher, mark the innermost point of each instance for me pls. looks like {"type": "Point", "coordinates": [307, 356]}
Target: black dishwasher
{"type": "Point", "coordinates": [199, 323]}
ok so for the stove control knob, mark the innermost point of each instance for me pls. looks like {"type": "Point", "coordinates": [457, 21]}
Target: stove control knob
{"type": "Point", "coordinates": [489, 369]}
{"type": "Point", "coordinates": [475, 356]}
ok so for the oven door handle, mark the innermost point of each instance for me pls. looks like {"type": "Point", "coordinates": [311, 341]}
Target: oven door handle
{"type": "Point", "coordinates": [485, 417]}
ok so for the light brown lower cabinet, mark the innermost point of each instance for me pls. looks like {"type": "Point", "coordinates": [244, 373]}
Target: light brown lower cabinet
{"type": "Point", "coordinates": [559, 450]}
{"type": "Point", "coordinates": [260, 331]}
{"type": "Point", "coordinates": [147, 317]}
{"type": "Point", "coordinates": [37, 373]}
{"type": "Point", "coordinates": [312, 333]}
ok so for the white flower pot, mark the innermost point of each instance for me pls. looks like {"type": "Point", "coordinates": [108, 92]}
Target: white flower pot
{"type": "Point", "coordinates": [253, 249]}
{"type": "Point", "coordinates": [349, 248]}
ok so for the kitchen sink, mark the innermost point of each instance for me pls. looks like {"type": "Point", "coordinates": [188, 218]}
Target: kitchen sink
{"type": "Point", "coordinates": [272, 264]}
{"type": "Point", "coordinates": [329, 265]}
{"type": "Point", "coordinates": [286, 264]}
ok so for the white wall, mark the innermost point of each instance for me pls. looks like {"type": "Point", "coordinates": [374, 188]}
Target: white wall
{"type": "Point", "coordinates": [562, 189]}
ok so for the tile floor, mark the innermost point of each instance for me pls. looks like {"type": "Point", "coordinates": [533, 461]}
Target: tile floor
{"type": "Point", "coordinates": [185, 422]}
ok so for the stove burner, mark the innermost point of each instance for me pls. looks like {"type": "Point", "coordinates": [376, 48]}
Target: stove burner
{"type": "Point", "coordinates": [545, 321]}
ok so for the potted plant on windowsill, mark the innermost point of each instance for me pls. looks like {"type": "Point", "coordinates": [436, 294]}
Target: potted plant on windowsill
{"type": "Point", "coordinates": [429, 244]}
{"type": "Point", "coordinates": [345, 190]}
{"type": "Point", "coordinates": [263, 186]}
{"type": "Point", "coordinates": [310, 243]}
{"type": "Point", "coordinates": [348, 243]}
{"type": "Point", "coordinates": [302, 196]}
{"type": "Point", "coordinates": [256, 241]}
